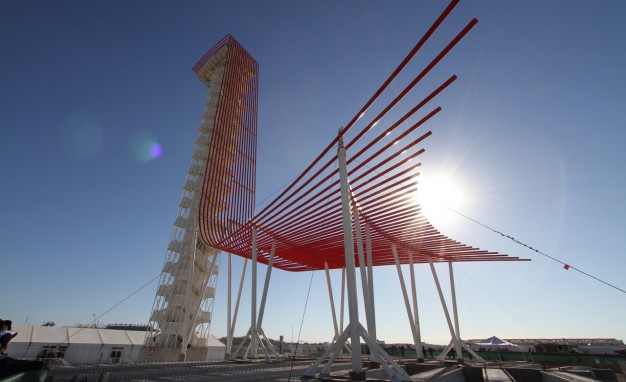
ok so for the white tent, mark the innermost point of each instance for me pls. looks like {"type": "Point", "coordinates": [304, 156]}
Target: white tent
{"type": "Point", "coordinates": [216, 349]}
{"type": "Point", "coordinates": [495, 343]}
{"type": "Point", "coordinates": [87, 345]}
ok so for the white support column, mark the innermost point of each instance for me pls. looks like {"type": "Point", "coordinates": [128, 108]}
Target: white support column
{"type": "Point", "coordinates": [343, 292]}
{"type": "Point", "coordinates": [416, 317]}
{"type": "Point", "coordinates": [255, 333]}
{"type": "Point", "coordinates": [394, 371]}
{"type": "Point", "coordinates": [241, 344]}
{"type": "Point", "coordinates": [456, 342]}
{"type": "Point", "coordinates": [458, 349]}
{"type": "Point", "coordinates": [407, 305]}
{"type": "Point", "coordinates": [443, 304]}
{"type": "Point", "coordinates": [265, 343]}
{"type": "Point", "coordinates": [348, 245]}
{"type": "Point", "coordinates": [232, 326]}
{"type": "Point", "coordinates": [343, 307]}
{"type": "Point", "coordinates": [253, 339]}
{"type": "Point", "coordinates": [243, 276]}
{"type": "Point", "coordinates": [354, 330]}
{"type": "Point", "coordinates": [337, 350]}
{"type": "Point", "coordinates": [364, 281]}
{"type": "Point", "coordinates": [332, 301]}
{"type": "Point", "coordinates": [370, 278]}
{"type": "Point", "coordinates": [266, 285]}
{"type": "Point", "coordinates": [229, 338]}
{"type": "Point", "coordinates": [333, 351]}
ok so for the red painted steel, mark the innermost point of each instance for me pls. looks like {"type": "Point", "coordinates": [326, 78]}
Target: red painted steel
{"type": "Point", "coordinates": [228, 190]}
{"type": "Point", "coordinates": [305, 219]}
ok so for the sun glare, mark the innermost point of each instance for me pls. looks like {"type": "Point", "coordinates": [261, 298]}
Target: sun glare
{"type": "Point", "coordinates": [437, 195]}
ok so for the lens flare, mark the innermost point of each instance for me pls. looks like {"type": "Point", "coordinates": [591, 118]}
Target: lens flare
{"type": "Point", "coordinates": [436, 196]}
{"type": "Point", "coordinates": [156, 150]}
{"type": "Point", "coordinates": [144, 147]}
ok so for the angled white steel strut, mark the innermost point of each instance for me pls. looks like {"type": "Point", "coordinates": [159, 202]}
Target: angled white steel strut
{"type": "Point", "coordinates": [412, 323]}
{"type": "Point", "coordinates": [354, 330]}
{"type": "Point", "coordinates": [255, 334]}
{"type": "Point", "coordinates": [231, 324]}
{"type": "Point", "coordinates": [455, 342]}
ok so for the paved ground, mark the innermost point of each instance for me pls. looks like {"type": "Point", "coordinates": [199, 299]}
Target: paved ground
{"type": "Point", "coordinates": [495, 375]}
{"type": "Point", "coordinates": [190, 371]}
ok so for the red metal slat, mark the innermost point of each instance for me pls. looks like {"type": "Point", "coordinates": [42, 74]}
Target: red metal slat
{"type": "Point", "coordinates": [400, 67]}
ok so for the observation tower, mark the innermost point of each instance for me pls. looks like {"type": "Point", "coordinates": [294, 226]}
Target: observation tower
{"type": "Point", "coordinates": [221, 174]}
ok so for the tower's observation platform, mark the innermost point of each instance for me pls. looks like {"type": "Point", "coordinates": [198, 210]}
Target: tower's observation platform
{"type": "Point", "coordinates": [228, 191]}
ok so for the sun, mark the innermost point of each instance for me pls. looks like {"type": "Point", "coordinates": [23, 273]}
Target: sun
{"type": "Point", "coordinates": [438, 195]}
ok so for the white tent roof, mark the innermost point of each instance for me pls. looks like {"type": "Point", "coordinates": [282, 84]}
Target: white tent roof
{"type": "Point", "coordinates": [43, 334]}
{"type": "Point", "coordinates": [115, 337]}
{"type": "Point", "coordinates": [136, 337]}
{"type": "Point", "coordinates": [494, 341]}
{"type": "Point", "coordinates": [58, 335]}
{"type": "Point", "coordinates": [83, 336]}
{"type": "Point", "coordinates": [213, 342]}
{"type": "Point", "coordinates": [24, 333]}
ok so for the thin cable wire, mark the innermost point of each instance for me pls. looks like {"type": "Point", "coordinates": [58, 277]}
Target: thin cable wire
{"type": "Point", "coordinates": [480, 327]}
{"type": "Point", "coordinates": [301, 323]}
{"type": "Point", "coordinates": [567, 266]}
{"type": "Point", "coordinates": [257, 206]}
{"type": "Point", "coordinates": [501, 303]}
{"type": "Point", "coordinates": [110, 309]}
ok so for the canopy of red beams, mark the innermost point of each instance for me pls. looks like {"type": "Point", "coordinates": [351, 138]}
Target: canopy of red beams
{"type": "Point", "coordinates": [305, 220]}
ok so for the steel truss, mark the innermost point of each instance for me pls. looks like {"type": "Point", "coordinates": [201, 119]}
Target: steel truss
{"type": "Point", "coordinates": [366, 206]}
{"type": "Point", "coordinates": [255, 333]}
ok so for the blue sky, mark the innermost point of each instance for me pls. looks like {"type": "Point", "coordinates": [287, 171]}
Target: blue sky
{"type": "Point", "coordinates": [531, 136]}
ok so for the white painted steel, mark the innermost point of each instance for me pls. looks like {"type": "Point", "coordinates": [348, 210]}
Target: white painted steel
{"type": "Point", "coordinates": [267, 346]}
{"type": "Point", "coordinates": [204, 292]}
{"type": "Point", "coordinates": [255, 333]}
{"type": "Point", "coordinates": [416, 317]}
{"type": "Point", "coordinates": [181, 313]}
{"type": "Point", "coordinates": [364, 281]}
{"type": "Point", "coordinates": [443, 304]}
{"type": "Point", "coordinates": [232, 326]}
{"type": "Point", "coordinates": [229, 337]}
{"type": "Point", "coordinates": [355, 331]}
{"type": "Point", "coordinates": [394, 371]}
{"type": "Point", "coordinates": [343, 292]}
{"type": "Point", "coordinates": [407, 305]}
{"type": "Point", "coordinates": [187, 324]}
{"type": "Point", "coordinates": [333, 351]}
{"type": "Point", "coordinates": [266, 285]}
{"type": "Point", "coordinates": [348, 244]}
{"type": "Point", "coordinates": [370, 277]}
{"type": "Point", "coordinates": [455, 313]}
{"type": "Point", "coordinates": [253, 342]}
{"type": "Point", "coordinates": [337, 350]}
{"type": "Point", "coordinates": [241, 344]}
{"type": "Point", "coordinates": [332, 301]}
